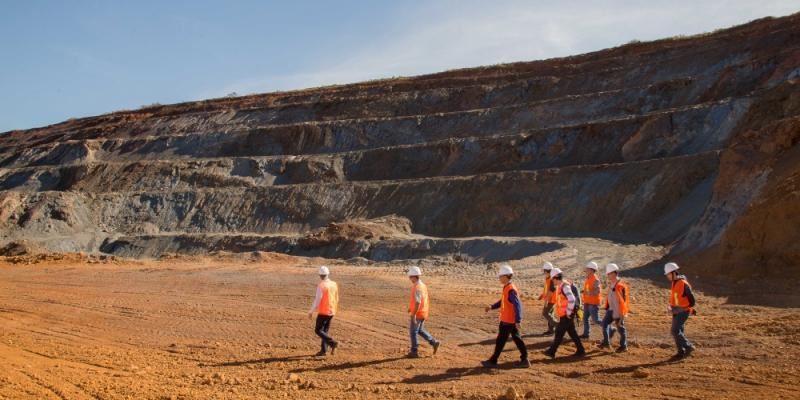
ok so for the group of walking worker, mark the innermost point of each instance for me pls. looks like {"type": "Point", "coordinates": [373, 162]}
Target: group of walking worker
{"type": "Point", "coordinates": [564, 306]}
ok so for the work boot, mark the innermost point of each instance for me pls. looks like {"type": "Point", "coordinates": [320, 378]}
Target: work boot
{"type": "Point", "coordinates": [603, 345]}
{"type": "Point", "coordinates": [489, 364]}
{"type": "Point", "coordinates": [580, 353]}
{"type": "Point", "coordinates": [548, 332]}
{"type": "Point", "coordinates": [549, 353]}
{"type": "Point", "coordinates": [524, 363]}
{"type": "Point", "coordinates": [333, 347]}
{"type": "Point", "coordinates": [435, 346]}
{"type": "Point", "coordinates": [412, 354]}
{"type": "Point", "coordinates": [622, 349]}
{"type": "Point", "coordinates": [320, 354]}
{"type": "Point", "coordinates": [688, 351]}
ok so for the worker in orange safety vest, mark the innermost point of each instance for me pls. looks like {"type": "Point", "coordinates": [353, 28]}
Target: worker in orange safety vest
{"type": "Point", "coordinates": [681, 306]}
{"type": "Point", "coordinates": [590, 296]}
{"type": "Point", "coordinates": [418, 310]}
{"type": "Point", "coordinates": [617, 305]}
{"type": "Point", "coordinates": [565, 310]}
{"type": "Point", "coordinates": [549, 300]}
{"type": "Point", "coordinates": [326, 302]}
{"type": "Point", "coordinates": [510, 307]}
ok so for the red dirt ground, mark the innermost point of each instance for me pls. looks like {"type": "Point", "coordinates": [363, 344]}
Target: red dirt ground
{"type": "Point", "coordinates": [230, 327]}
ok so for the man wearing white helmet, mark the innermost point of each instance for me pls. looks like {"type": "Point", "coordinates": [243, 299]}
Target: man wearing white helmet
{"type": "Point", "coordinates": [616, 306]}
{"type": "Point", "coordinates": [681, 305]}
{"type": "Point", "coordinates": [591, 298]}
{"type": "Point", "coordinates": [565, 310]}
{"type": "Point", "coordinates": [326, 302]}
{"type": "Point", "coordinates": [510, 318]}
{"type": "Point", "coordinates": [418, 310]}
{"type": "Point", "coordinates": [549, 299]}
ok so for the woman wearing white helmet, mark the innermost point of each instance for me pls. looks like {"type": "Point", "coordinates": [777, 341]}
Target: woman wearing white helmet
{"type": "Point", "coordinates": [326, 302]}
{"type": "Point", "coordinates": [549, 300]}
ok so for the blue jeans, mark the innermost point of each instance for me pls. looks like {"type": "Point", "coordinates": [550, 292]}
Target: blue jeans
{"type": "Point", "coordinates": [590, 311]}
{"type": "Point", "coordinates": [608, 333]}
{"type": "Point", "coordinates": [678, 322]}
{"type": "Point", "coordinates": [416, 327]}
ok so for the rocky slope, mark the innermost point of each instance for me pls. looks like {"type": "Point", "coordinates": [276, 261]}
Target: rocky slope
{"type": "Point", "coordinates": [689, 143]}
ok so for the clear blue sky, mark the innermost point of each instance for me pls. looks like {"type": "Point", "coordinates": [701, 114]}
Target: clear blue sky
{"type": "Point", "coordinates": [63, 59]}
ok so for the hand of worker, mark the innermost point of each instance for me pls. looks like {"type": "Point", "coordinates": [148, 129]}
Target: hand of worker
{"type": "Point", "coordinates": [310, 314]}
{"type": "Point", "coordinates": [519, 328]}
{"type": "Point", "coordinates": [487, 308]}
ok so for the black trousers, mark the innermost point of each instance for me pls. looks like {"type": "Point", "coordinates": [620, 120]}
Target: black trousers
{"type": "Point", "coordinates": [321, 329]}
{"type": "Point", "coordinates": [566, 325]}
{"type": "Point", "coordinates": [505, 331]}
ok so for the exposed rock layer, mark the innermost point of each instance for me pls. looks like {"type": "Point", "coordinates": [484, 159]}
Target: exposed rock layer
{"type": "Point", "coordinates": [687, 142]}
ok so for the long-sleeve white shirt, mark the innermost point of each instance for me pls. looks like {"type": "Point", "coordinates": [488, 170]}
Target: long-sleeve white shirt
{"type": "Point", "coordinates": [566, 288]}
{"type": "Point", "coordinates": [317, 299]}
{"type": "Point", "coordinates": [613, 301]}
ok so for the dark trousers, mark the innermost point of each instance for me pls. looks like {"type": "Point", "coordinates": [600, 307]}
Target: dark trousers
{"type": "Point", "coordinates": [565, 325]}
{"type": "Point", "coordinates": [505, 331]}
{"type": "Point", "coordinates": [321, 329]}
{"type": "Point", "coordinates": [678, 324]}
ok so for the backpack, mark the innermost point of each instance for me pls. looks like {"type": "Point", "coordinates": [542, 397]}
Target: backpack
{"type": "Point", "coordinates": [578, 312]}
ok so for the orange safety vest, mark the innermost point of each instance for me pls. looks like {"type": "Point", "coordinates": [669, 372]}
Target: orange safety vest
{"type": "Point", "coordinates": [676, 298]}
{"type": "Point", "coordinates": [587, 288]}
{"type": "Point", "coordinates": [507, 313]}
{"type": "Point", "coordinates": [622, 291]}
{"type": "Point", "coordinates": [422, 313]}
{"type": "Point", "coordinates": [561, 299]}
{"type": "Point", "coordinates": [545, 295]}
{"type": "Point", "coordinates": [551, 298]}
{"type": "Point", "coordinates": [330, 297]}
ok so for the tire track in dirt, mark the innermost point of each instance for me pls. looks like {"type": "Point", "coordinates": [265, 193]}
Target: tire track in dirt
{"type": "Point", "coordinates": [249, 323]}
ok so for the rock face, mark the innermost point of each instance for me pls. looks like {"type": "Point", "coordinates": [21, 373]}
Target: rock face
{"type": "Point", "coordinates": [690, 143]}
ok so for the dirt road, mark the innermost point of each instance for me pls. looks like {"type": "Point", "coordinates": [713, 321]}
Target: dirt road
{"type": "Point", "coordinates": [237, 328]}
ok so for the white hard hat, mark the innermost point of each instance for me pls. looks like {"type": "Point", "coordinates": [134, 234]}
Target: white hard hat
{"type": "Point", "coordinates": [323, 270]}
{"type": "Point", "coordinates": [555, 272]}
{"type": "Point", "coordinates": [592, 265]}
{"type": "Point", "coordinates": [547, 266]}
{"type": "Point", "coordinates": [505, 269]}
{"type": "Point", "coordinates": [612, 268]}
{"type": "Point", "coordinates": [414, 271]}
{"type": "Point", "coordinates": [670, 267]}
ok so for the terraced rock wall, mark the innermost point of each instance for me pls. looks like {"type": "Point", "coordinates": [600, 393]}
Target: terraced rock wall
{"type": "Point", "coordinates": [641, 143]}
